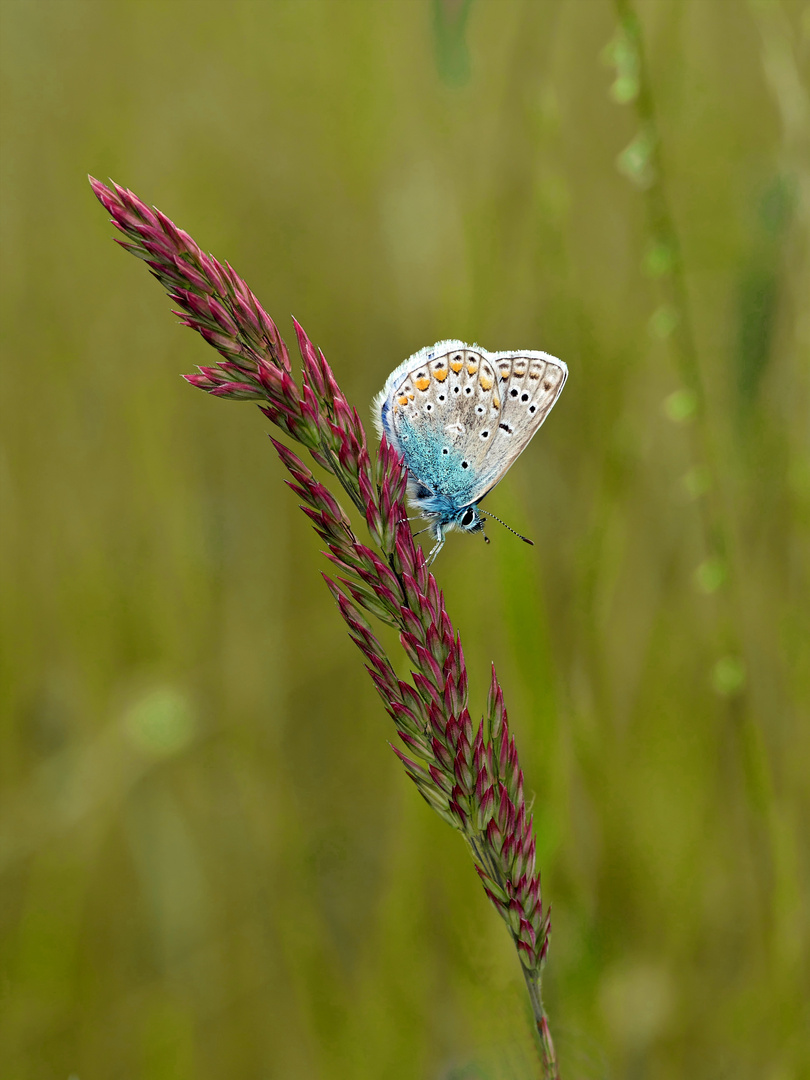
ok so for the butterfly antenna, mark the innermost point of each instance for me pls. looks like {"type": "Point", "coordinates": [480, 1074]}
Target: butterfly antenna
{"type": "Point", "coordinates": [525, 539]}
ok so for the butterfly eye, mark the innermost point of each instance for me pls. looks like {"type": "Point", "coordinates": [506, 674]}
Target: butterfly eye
{"type": "Point", "coordinates": [467, 519]}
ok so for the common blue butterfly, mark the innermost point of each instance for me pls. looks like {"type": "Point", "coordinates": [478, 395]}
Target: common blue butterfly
{"type": "Point", "coordinates": [460, 416]}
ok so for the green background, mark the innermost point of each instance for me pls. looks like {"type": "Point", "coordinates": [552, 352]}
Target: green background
{"type": "Point", "coordinates": [212, 864]}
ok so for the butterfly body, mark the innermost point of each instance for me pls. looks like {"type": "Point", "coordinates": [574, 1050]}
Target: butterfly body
{"type": "Point", "coordinates": [460, 416]}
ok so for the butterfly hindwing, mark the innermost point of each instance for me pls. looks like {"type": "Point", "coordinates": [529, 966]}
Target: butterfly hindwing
{"type": "Point", "coordinates": [443, 410]}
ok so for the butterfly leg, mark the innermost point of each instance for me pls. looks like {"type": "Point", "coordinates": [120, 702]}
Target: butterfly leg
{"type": "Point", "coordinates": [434, 551]}
{"type": "Point", "coordinates": [437, 547]}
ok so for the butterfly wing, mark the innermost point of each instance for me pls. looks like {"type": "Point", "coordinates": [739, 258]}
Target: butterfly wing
{"type": "Point", "coordinates": [440, 409]}
{"type": "Point", "coordinates": [528, 385]}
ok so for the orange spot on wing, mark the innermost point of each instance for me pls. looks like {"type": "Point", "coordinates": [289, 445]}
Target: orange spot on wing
{"type": "Point", "coordinates": [486, 382]}
{"type": "Point", "coordinates": [422, 384]}
{"type": "Point", "coordinates": [472, 368]}
{"type": "Point", "coordinates": [403, 400]}
{"type": "Point", "coordinates": [456, 365]}
{"type": "Point", "coordinates": [440, 374]}
{"type": "Point", "coordinates": [496, 402]}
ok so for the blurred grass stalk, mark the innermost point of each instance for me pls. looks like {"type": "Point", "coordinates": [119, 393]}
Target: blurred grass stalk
{"type": "Point", "coordinates": [718, 574]}
{"type": "Point", "coordinates": [471, 778]}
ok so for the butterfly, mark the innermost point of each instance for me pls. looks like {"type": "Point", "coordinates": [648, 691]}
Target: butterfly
{"type": "Point", "coordinates": [460, 416]}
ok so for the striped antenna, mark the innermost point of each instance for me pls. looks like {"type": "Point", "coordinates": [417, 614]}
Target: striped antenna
{"type": "Point", "coordinates": [525, 539]}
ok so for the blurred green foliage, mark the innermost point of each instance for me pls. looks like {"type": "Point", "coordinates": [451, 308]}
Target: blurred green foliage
{"type": "Point", "coordinates": [212, 865]}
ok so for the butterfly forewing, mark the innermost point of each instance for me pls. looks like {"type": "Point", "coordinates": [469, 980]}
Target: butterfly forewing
{"type": "Point", "coordinates": [528, 384]}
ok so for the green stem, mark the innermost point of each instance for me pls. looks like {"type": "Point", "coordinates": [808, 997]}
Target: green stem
{"type": "Point", "coordinates": [548, 1057]}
